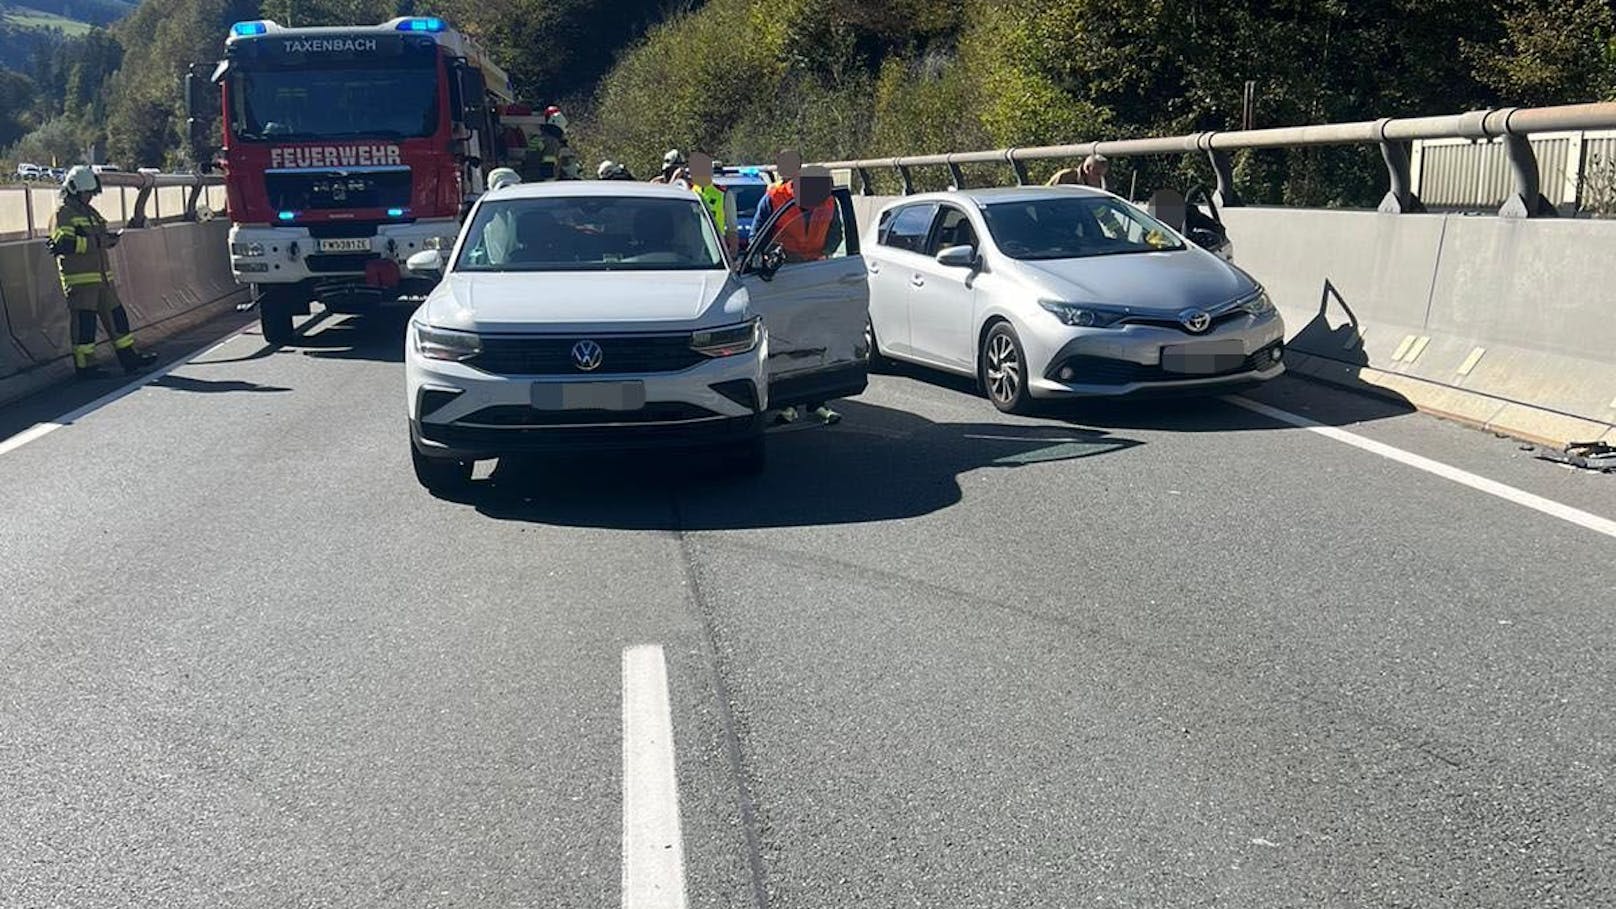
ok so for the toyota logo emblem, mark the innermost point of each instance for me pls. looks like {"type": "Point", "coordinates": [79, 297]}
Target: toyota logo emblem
{"type": "Point", "coordinates": [1195, 321]}
{"type": "Point", "coordinates": [586, 355]}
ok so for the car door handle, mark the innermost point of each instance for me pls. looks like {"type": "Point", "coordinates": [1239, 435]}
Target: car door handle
{"type": "Point", "coordinates": [875, 269]}
{"type": "Point", "coordinates": [917, 281]}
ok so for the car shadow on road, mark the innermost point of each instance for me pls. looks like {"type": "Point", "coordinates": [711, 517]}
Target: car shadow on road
{"type": "Point", "coordinates": [207, 386]}
{"type": "Point", "coordinates": [878, 464]}
{"type": "Point", "coordinates": [377, 335]}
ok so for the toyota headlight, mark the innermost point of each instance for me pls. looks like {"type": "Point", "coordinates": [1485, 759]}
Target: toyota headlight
{"type": "Point", "coordinates": [727, 341]}
{"type": "Point", "coordinates": [1258, 304]}
{"type": "Point", "coordinates": [444, 344]}
{"type": "Point", "coordinates": [1079, 315]}
{"type": "Point", "coordinates": [247, 249]}
{"type": "Point", "coordinates": [438, 243]}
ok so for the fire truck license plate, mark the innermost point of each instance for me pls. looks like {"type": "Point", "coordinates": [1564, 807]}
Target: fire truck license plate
{"type": "Point", "coordinates": [361, 244]}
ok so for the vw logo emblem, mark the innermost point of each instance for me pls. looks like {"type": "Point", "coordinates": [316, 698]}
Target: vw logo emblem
{"type": "Point", "coordinates": [1195, 321]}
{"type": "Point", "coordinates": [586, 355]}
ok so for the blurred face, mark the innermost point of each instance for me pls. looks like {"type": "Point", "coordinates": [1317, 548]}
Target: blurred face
{"type": "Point", "coordinates": [701, 169]}
{"type": "Point", "coordinates": [788, 164]}
{"type": "Point", "coordinates": [812, 189]}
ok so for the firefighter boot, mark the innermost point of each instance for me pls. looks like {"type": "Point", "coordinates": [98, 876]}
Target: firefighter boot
{"type": "Point", "coordinates": [134, 361]}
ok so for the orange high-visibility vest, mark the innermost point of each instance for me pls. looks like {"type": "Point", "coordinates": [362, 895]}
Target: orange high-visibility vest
{"type": "Point", "coordinates": [807, 240]}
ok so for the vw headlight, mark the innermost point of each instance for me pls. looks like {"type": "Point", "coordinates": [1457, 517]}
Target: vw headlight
{"type": "Point", "coordinates": [439, 243]}
{"type": "Point", "coordinates": [246, 249]}
{"type": "Point", "coordinates": [443, 344]}
{"type": "Point", "coordinates": [727, 341]}
{"type": "Point", "coordinates": [1258, 304]}
{"type": "Point", "coordinates": [1080, 316]}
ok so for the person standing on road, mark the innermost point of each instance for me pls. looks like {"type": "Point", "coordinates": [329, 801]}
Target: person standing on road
{"type": "Point", "coordinates": [672, 162]}
{"type": "Point", "coordinates": [1092, 172]}
{"type": "Point", "coordinates": [803, 234]}
{"type": "Point", "coordinates": [716, 200]}
{"type": "Point", "coordinates": [787, 167]}
{"type": "Point", "coordinates": [80, 241]}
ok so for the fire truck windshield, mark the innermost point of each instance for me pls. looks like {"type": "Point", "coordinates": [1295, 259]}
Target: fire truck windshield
{"type": "Point", "coordinates": [291, 105]}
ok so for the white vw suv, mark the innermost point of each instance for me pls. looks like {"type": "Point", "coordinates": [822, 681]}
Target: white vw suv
{"type": "Point", "coordinates": [587, 315]}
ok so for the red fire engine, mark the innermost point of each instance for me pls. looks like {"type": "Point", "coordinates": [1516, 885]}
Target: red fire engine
{"type": "Point", "coordinates": [346, 150]}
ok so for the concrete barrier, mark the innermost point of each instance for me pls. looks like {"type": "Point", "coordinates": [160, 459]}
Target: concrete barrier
{"type": "Point", "coordinates": [1502, 323]}
{"type": "Point", "coordinates": [1507, 324]}
{"type": "Point", "coordinates": [170, 277]}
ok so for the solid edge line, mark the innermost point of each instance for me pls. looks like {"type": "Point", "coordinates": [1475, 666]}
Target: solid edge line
{"type": "Point", "coordinates": [1503, 491]}
{"type": "Point", "coordinates": [40, 430]}
{"type": "Point", "coordinates": [653, 846]}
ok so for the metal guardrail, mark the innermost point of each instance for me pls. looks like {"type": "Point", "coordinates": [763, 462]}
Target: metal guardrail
{"type": "Point", "coordinates": [35, 215]}
{"type": "Point", "coordinates": [1512, 124]}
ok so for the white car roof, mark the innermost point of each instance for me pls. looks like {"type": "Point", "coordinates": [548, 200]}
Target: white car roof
{"type": "Point", "coordinates": [623, 189]}
{"type": "Point", "coordinates": [989, 195]}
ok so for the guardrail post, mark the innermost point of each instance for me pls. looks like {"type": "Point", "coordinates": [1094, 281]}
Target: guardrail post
{"type": "Point", "coordinates": [1400, 198]}
{"type": "Point", "coordinates": [1223, 170]}
{"type": "Point", "coordinates": [866, 188]}
{"type": "Point", "coordinates": [957, 175]}
{"type": "Point", "coordinates": [138, 218]}
{"type": "Point", "coordinates": [1528, 201]}
{"type": "Point", "coordinates": [190, 204]}
{"type": "Point", "coordinates": [903, 176]}
{"type": "Point", "coordinates": [1018, 167]}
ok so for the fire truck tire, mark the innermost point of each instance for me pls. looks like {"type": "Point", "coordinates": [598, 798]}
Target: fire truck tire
{"type": "Point", "coordinates": [275, 317]}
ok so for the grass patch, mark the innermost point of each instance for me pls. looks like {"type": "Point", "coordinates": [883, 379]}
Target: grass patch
{"type": "Point", "coordinates": [23, 17]}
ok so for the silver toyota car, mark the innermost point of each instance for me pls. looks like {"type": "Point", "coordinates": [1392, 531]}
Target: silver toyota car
{"type": "Point", "coordinates": [1048, 292]}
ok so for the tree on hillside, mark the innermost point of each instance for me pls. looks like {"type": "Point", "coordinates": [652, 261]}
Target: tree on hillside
{"type": "Point", "coordinates": [57, 143]}
{"type": "Point", "coordinates": [145, 113]}
{"type": "Point", "coordinates": [17, 93]}
{"type": "Point", "coordinates": [552, 48]}
{"type": "Point", "coordinates": [1551, 52]}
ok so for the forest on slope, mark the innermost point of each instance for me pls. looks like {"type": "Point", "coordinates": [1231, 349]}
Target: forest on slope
{"type": "Point", "coordinates": [837, 78]}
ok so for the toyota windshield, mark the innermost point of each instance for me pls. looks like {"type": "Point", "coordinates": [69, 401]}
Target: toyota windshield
{"type": "Point", "coordinates": [1074, 228]}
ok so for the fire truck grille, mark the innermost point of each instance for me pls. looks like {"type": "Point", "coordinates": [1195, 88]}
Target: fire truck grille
{"type": "Point", "coordinates": [314, 191]}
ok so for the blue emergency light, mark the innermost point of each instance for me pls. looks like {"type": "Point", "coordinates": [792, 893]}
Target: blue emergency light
{"type": "Point", "coordinates": [395, 213]}
{"type": "Point", "coordinates": [248, 29]}
{"type": "Point", "coordinates": [287, 215]}
{"type": "Point", "coordinates": [421, 24]}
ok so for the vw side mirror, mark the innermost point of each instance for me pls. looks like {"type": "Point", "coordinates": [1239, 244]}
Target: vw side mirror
{"type": "Point", "coordinates": [427, 263]}
{"type": "Point", "coordinates": [957, 256]}
{"type": "Point", "coordinates": [769, 263]}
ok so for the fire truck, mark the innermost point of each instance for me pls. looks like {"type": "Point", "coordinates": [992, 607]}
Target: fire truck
{"type": "Point", "coordinates": [345, 150]}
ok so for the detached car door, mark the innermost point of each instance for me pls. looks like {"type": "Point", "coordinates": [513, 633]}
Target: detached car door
{"type": "Point", "coordinates": [813, 307]}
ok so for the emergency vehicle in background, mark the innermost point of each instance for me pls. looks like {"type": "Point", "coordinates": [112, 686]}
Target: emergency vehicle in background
{"type": "Point", "coordinates": [346, 149]}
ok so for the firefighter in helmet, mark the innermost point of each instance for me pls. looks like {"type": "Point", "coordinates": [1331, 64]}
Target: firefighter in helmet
{"type": "Point", "coordinates": [81, 241]}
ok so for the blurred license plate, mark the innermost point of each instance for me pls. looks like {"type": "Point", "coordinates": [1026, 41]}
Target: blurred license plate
{"type": "Point", "coordinates": [1205, 358]}
{"type": "Point", "coordinates": [357, 244]}
{"type": "Point", "coordinates": [588, 395]}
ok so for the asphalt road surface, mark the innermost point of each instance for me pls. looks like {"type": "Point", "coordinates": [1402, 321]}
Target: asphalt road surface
{"type": "Point", "coordinates": [1161, 654]}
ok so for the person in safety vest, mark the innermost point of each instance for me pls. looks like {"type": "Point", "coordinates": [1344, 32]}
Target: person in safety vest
{"type": "Point", "coordinates": [716, 200]}
{"type": "Point", "coordinates": [807, 232]}
{"type": "Point", "coordinates": [80, 240]}
{"type": "Point", "coordinates": [787, 166]}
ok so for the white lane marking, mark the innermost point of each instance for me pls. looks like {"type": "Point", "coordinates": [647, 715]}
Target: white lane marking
{"type": "Point", "coordinates": [1448, 472]}
{"type": "Point", "coordinates": [653, 847]}
{"type": "Point", "coordinates": [40, 430]}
